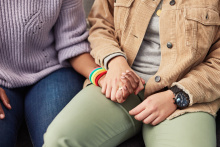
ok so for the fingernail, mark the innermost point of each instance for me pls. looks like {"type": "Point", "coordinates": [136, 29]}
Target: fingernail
{"type": "Point", "coordinates": [122, 77]}
{"type": "Point", "coordinates": [127, 70]}
{"type": "Point", "coordinates": [123, 73]}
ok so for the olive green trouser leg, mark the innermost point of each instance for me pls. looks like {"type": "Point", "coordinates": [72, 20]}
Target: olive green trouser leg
{"type": "Point", "coordinates": [92, 120]}
{"type": "Point", "coordinates": [189, 130]}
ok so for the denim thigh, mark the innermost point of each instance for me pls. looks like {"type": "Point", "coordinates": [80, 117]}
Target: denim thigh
{"type": "Point", "coordinates": [10, 125]}
{"type": "Point", "coordinates": [47, 98]}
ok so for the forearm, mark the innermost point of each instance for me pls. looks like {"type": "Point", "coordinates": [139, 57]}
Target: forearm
{"type": "Point", "coordinates": [83, 64]}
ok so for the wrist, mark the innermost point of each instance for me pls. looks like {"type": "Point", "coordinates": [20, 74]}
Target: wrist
{"type": "Point", "coordinates": [116, 61]}
{"type": "Point", "coordinates": [100, 81]}
{"type": "Point", "coordinates": [96, 74]}
{"type": "Point", "coordinates": [181, 98]}
{"type": "Point", "coordinates": [171, 97]}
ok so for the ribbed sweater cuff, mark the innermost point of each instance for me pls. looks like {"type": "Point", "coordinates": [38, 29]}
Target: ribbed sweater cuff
{"type": "Point", "coordinates": [72, 51]}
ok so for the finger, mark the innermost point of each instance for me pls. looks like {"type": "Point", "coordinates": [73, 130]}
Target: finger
{"type": "Point", "coordinates": [5, 99]}
{"type": "Point", "coordinates": [113, 93]}
{"type": "Point", "coordinates": [150, 119]}
{"type": "Point", "coordinates": [134, 84]}
{"type": "Point", "coordinates": [139, 88]}
{"type": "Point", "coordinates": [108, 91]}
{"type": "Point", "coordinates": [134, 76]}
{"type": "Point", "coordinates": [142, 80]}
{"type": "Point", "coordinates": [104, 88]}
{"type": "Point", "coordinates": [126, 82]}
{"type": "Point", "coordinates": [2, 114]}
{"type": "Point", "coordinates": [142, 115]}
{"type": "Point", "coordinates": [157, 121]}
{"type": "Point", "coordinates": [119, 96]}
{"type": "Point", "coordinates": [126, 93]}
{"type": "Point", "coordinates": [137, 109]}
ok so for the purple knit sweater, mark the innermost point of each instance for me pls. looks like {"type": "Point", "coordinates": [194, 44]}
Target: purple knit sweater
{"type": "Point", "coordinates": [37, 38]}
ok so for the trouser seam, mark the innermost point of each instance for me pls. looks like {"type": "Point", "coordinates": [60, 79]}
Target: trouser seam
{"type": "Point", "coordinates": [115, 136]}
{"type": "Point", "coordinates": [129, 116]}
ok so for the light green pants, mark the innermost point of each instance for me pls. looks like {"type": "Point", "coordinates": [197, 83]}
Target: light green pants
{"type": "Point", "coordinates": [92, 120]}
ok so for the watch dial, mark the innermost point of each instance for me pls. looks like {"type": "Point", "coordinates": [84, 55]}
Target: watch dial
{"type": "Point", "coordinates": [181, 100]}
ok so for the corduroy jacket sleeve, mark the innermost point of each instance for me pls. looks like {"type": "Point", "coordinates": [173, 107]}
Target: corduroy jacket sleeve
{"type": "Point", "coordinates": [102, 32]}
{"type": "Point", "coordinates": [202, 83]}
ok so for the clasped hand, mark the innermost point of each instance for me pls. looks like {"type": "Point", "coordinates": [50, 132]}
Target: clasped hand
{"type": "Point", "coordinates": [120, 81]}
{"type": "Point", "coordinates": [153, 110]}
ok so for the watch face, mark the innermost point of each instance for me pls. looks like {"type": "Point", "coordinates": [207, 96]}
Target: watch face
{"type": "Point", "coordinates": [181, 100]}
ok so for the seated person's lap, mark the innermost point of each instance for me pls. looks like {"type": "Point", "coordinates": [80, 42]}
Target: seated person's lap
{"type": "Point", "coordinates": [91, 119]}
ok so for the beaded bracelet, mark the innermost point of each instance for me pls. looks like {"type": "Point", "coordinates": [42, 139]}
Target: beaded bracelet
{"type": "Point", "coordinates": [96, 74]}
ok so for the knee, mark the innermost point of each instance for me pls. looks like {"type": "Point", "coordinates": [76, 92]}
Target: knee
{"type": "Point", "coordinates": [61, 137]}
{"type": "Point", "coordinates": [54, 138]}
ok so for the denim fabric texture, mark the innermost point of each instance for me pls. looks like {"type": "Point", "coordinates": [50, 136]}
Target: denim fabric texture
{"type": "Point", "coordinates": [38, 104]}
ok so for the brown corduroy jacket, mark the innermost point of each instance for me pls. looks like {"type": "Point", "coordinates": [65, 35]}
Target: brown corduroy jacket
{"type": "Point", "coordinates": [189, 38]}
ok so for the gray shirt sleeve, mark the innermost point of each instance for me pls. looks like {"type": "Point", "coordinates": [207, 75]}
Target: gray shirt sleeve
{"type": "Point", "coordinates": [108, 58]}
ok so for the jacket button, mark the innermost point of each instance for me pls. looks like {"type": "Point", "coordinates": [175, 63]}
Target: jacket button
{"type": "Point", "coordinates": [169, 45]}
{"type": "Point", "coordinates": [157, 79]}
{"type": "Point", "coordinates": [172, 2]}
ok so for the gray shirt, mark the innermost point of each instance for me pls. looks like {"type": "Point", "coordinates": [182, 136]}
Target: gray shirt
{"type": "Point", "coordinates": [148, 58]}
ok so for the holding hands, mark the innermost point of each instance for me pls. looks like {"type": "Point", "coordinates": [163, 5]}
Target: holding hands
{"type": "Point", "coordinates": [120, 81]}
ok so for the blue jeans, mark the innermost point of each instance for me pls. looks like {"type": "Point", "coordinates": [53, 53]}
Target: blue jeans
{"type": "Point", "coordinates": [38, 104]}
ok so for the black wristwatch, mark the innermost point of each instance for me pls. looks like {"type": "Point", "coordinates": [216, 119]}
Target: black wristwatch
{"type": "Point", "coordinates": [181, 98]}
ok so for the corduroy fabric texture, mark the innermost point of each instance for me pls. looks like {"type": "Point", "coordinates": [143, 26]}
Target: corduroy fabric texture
{"type": "Point", "coordinates": [192, 27]}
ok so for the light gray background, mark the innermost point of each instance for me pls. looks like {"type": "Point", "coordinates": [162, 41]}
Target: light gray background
{"type": "Point", "coordinates": [87, 6]}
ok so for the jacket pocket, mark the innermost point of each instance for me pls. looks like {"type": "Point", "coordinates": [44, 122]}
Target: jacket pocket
{"type": "Point", "coordinates": [121, 13]}
{"type": "Point", "coordinates": [200, 28]}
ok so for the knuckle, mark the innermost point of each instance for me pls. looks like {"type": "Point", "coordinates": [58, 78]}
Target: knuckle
{"type": "Point", "coordinates": [152, 109]}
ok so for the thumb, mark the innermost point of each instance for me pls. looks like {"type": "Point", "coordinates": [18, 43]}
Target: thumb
{"type": "Point", "coordinates": [142, 80]}
{"type": "Point", "coordinates": [139, 88]}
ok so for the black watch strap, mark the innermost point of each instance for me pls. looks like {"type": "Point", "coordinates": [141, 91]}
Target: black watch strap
{"type": "Point", "coordinates": [175, 89]}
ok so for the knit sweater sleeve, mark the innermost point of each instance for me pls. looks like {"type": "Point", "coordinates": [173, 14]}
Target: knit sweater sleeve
{"type": "Point", "coordinates": [70, 31]}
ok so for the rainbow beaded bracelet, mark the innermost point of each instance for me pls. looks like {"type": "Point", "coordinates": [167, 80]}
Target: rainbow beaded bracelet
{"type": "Point", "coordinates": [96, 74]}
